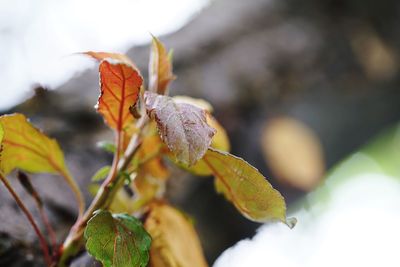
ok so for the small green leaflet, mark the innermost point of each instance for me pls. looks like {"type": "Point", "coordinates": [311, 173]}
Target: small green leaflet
{"type": "Point", "coordinates": [117, 240]}
{"type": "Point", "coordinates": [107, 146]}
{"type": "Point", "coordinates": [101, 174]}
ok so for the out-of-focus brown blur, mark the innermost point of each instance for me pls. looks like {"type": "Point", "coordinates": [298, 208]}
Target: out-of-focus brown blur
{"type": "Point", "coordinates": [330, 68]}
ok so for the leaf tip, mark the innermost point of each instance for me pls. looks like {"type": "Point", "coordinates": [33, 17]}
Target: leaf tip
{"type": "Point", "coordinates": [291, 222]}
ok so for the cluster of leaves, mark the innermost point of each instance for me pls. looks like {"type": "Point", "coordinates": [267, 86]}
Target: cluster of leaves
{"type": "Point", "coordinates": [150, 128]}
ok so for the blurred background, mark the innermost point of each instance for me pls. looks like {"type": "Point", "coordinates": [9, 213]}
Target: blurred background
{"type": "Point", "coordinates": [303, 88]}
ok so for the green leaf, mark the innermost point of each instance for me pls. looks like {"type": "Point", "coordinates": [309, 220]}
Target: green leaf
{"type": "Point", "coordinates": [101, 174]}
{"type": "Point", "coordinates": [245, 187]}
{"type": "Point", "coordinates": [183, 127]}
{"type": "Point", "coordinates": [117, 240]}
{"type": "Point", "coordinates": [107, 146]}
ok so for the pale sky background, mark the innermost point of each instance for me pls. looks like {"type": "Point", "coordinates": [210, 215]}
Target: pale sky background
{"type": "Point", "coordinates": [38, 37]}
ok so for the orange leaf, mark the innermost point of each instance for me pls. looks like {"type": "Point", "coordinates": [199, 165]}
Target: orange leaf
{"type": "Point", "coordinates": [160, 68]}
{"type": "Point", "coordinates": [120, 85]}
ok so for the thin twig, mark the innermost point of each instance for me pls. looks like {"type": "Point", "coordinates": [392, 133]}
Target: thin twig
{"type": "Point", "coordinates": [24, 179]}
{"type": "Point", "coordinates": [29, 216]}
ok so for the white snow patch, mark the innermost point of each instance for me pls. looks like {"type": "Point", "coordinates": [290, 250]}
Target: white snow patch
{"type": "Point", "coordinates": [38, 37]}
{"type": "Point", "coordinates": [359, 226]}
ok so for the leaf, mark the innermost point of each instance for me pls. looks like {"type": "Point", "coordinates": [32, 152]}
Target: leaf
{"type": "Point", "coordinates": [175, 241]}
{"type": "Point", "coordinates": [26, 148]}
{"type": "Point", "coordinates": [101, 174]}
{"type": "Point", "coordinates": [117, 240]}
{"type": "Point", "coordinates": [151, 147]}
{"type": "Point", "coordinates": [120, 85]}
{"type": "Point", "coordinates": [219, 141]}
{"type": "Point", "coordinates": [107, 146]}
{"type": "Point", "coordinates": [150, 182]}
{"type": "Point", "coordinates": [160, 68]}
{"type": "Point", "coordinates": [245, 187]}
{"type": "Point", "coordinates": [1, 135]}
{"type": "Point", "coordinates": [182, 127]}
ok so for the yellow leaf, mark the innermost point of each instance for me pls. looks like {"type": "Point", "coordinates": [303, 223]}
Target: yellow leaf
{"type": "Point", "coordinates": [245, 187]}
{"type": "Point", "coordinates": [150, 147]}
{"type": "Point", "coordinates": [160, 68]}
{"type": "Point", "coordinates": [26, 148]}
{"type": "Point", "coordinates": [175, 242]}
{"type": "Point", "coordinates": [150, 181]}
{"type": "Point", "coordinates": [1, 135]}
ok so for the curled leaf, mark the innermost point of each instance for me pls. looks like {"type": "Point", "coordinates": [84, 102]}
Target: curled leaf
{"type": "Point", "coordinates": [219, 141]}
{"type": "Point", "coordinates": [120, 85]}
{"type": "Point", "coordinates": [182, 127]}
{"type": "Point", "coordinates": [245, 187]}
{"type": "Point", "coordinates": [160, 68]}
{"type": "Point", "coordinates": [117, 240]}
{"type": "Point", "coordinates": [175, 241]}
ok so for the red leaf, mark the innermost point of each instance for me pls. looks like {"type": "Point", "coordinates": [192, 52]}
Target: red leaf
{"type": "Point", "coordinates": [120, 85]}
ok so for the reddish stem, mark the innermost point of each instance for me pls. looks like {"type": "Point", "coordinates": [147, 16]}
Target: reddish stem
{"type": "Point", "coordinates": [29, 216]}
{"type": "Point", "coordinates": [49, 228]}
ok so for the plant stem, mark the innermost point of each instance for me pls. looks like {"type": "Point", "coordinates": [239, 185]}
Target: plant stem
{"type": "Point", "coordinates": [103, 198]}
{"type": "Point", "coordinates": [29, 216]}
{"type": "Point", "coordinates": [75, 188]}
{"type": "Point", "coordinates": [24, 180]}
{"type": "Point", "coordinates": [49, 228]}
